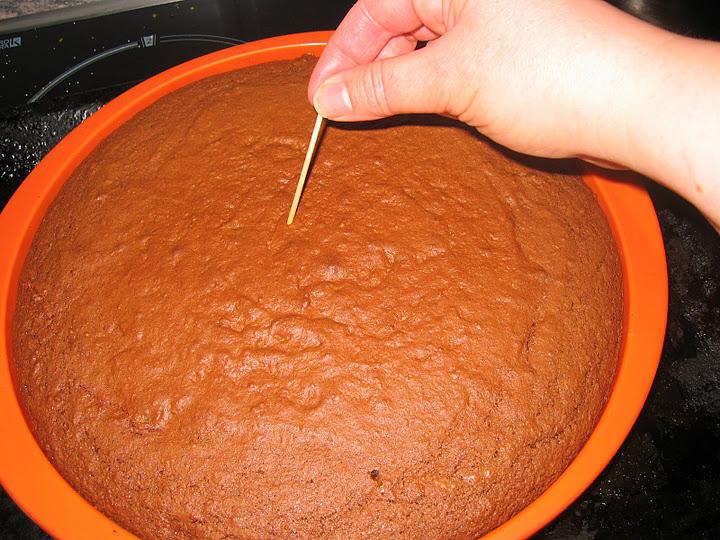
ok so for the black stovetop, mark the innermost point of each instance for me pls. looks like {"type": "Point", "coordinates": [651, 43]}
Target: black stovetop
{"type": "Point", "coordinates": [665, 481]}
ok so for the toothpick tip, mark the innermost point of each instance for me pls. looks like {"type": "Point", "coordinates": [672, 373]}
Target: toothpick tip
{"type": "Point", "coordinates": [306, 165]}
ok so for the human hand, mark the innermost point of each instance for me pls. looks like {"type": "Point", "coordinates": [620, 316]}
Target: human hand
{"type": "Point", "coordinates": [523, 72]}
{"type": "Point", "coordinates": [554, 79]}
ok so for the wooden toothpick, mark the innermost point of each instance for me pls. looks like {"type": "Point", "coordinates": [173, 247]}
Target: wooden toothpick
{"type": "Point", "coordinates": [306, 166]}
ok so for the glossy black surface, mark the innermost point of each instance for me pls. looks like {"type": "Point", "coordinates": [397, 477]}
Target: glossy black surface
{"type": "Point", "coordinates": [665, 482]}
{"type": "Point", "coordinates": [88, 54]}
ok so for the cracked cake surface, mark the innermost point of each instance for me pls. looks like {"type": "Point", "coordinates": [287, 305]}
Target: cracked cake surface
{"type": "Point", "coordinates": [419, 355]}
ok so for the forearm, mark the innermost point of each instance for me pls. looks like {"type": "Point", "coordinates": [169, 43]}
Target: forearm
{"type": "Point", "coordinates": [678, 132]}
{"type": "Point", "coordinates": [667, 122]}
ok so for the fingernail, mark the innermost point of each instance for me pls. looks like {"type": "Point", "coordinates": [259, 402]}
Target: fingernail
{"type": "Point", "coordinates": [332, 99]}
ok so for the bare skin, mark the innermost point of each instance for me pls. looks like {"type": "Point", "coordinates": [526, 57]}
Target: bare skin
{"type": "Point", "coordinates": [569, 78]}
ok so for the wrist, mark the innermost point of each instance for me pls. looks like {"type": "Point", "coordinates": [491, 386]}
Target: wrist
{"type": "Point", "coordinates": [624, 85]}
{"type": "Point", "coordinates": [672, 133]}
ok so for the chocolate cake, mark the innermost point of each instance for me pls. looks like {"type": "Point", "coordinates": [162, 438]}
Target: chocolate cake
{"type": "Point", "coordinates": [419, 355]}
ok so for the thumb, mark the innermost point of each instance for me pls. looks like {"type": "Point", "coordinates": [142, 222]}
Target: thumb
{"type": "Point", "coordinates": [409, 83]}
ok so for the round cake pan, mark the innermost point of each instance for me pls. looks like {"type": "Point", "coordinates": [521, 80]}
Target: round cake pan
{"type": "Point", "coordinates": [46, 497]}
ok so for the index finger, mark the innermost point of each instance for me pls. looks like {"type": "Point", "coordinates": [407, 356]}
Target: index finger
{"type": "Point", "coordinates": [363, 33]}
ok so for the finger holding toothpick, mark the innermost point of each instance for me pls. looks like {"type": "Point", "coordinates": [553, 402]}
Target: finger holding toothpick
{"type": "Point", "coordinates": [319, 123]}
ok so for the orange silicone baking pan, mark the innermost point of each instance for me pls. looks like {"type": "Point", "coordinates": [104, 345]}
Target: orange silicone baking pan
{"type": "Point", "coordinates": [45, 496]}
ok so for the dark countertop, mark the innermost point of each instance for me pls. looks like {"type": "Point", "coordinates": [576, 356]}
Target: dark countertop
{"type": "Point", "coordinates": [665, 481]}
{"type": "Point", "coordinates": [17, 8]}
